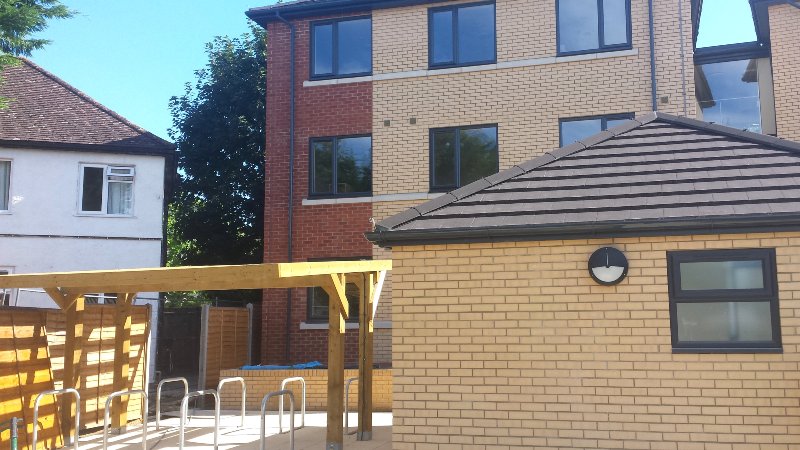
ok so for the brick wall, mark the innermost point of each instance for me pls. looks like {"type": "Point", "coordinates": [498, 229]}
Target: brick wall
{"type": "Point", "coordinates": [513, 345]}
{"type": "Point", "coordinates": [784, 24]}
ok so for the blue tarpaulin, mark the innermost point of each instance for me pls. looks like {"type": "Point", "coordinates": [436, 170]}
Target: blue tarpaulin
{"type": "Point", "coordinates": [308, 365]}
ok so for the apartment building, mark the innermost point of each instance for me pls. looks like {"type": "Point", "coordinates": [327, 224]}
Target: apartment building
{"type": "Point", "coordinates": [374, 106]}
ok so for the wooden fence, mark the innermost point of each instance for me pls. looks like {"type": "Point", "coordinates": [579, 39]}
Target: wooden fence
{"type": "Point", "coordinates": [225, 342]}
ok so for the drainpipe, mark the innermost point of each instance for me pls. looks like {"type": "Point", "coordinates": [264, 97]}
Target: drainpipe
{"type": "Point", "coordinates": [654, 93]}
{"type": "Point", "coordinates": [289, 251]}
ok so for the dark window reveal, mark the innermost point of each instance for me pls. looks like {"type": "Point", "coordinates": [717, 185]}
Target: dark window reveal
{"type": "Point", "coordinates": [461, 35]}
{"type": "Point", "coordinates": [92, 197]}
{"type": "Point", "coordinates": [341, 166]}
{"type": "Point", "coordinates": [586, 26]}
{"type": "Point", "coordinates": [462, 155]}
{"type": "Point", "coordinates": [341, 48]}
{"type": "Point", "coordinates": [572, 130]}
{"type": "Point", "coordinates": [318, 301]}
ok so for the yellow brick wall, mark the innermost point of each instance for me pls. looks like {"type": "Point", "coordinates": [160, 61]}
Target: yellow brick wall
{"type": "Point", "coordinates": [513, 345]}
{"type": "Point", "coordinates": [784, 24]}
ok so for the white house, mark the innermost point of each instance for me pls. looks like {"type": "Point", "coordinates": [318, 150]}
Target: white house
{"type": "Point", "coordinates": [81, 188]}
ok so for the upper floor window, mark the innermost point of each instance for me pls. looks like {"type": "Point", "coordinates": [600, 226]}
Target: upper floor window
{"type": "Point", "coordinates": [573, 130]}
{"type": "Point", "coordinates": [728, 93]}
{"type": "Point", "coordinates": [586, 26]}
{"type": "Point", "coordinates": [341, 48]}
{"type": "Point", "coordinates": [5, 184]}
{"type": "Point", "coordinates": [462, 155]}
{"type": "Point", "coordinates": [461, 35]}
{"type": "Point", "coordinates": [106, 189]}
{"type": "Point", "coordinates": [341, 166]}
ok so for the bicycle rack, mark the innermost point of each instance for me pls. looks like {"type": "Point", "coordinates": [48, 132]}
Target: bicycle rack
{"type": "Point", "coordinates": [36, 412]}
{"type": "Point", "coordinates": [244, 394]}
{"type": "Point", "coordinates": [347, 384]}
{"type": "Point", "coordinates": [262, 437]}
{"type": "Point", "coordinates": [13, 424]}
{"type": "Point", "coordinates": [302, 406]}
{"type": "Point", "coordinates": [158, 395]}
{"type": "Point", "coordinates": [185, 411]}
{"type": "Point", "coordinates": [144, 415]}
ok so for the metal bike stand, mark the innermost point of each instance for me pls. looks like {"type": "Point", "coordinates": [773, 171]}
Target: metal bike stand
{"type": "Point", "coordinates": [262, 437]}
{"type": "Point", "coordinates": [302, 405]}
{"type": "Point", "coordinates": [244, 394]}
{"type": "Point", "coordinates": [36, 413]}
{"type": "Point", "coordinates": [347, 384]}
{"type": "Point", "coordinates": [12, 426]}
{"type": "Point", "coordinates": [158, 395]}
{"type": "Point", "coordinates": [144, 415]}
{"type": "Point", "coordinates": [185, 411]}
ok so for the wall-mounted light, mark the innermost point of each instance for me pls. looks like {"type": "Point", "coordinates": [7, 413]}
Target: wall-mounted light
{"type": "Point", "coordinates": [608, 266]}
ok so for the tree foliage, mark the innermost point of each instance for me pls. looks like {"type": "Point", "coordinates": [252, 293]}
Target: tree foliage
{"type": "Point", "coordinates": [217, 214]}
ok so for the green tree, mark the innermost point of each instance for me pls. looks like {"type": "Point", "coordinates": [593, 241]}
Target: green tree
{"type": "Point", "coordinates": [217, 215]}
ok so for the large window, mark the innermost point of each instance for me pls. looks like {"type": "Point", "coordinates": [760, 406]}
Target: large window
{"type": "Point", "coordinates": [5, 184]}
{"type": "Point", "coordinates": [318, 301]}
{"type": "Point", "coordinates": [573, 130]}
{"type": "Point", "coordinates": [341, 166]}
{"type": "Point", "coordinates": [462, 155]}
{"type": "Point", "coordinates": [461, 35]}
{"type": "Point", "coordinates": [586, 26]}
{"type": "Point", "coordinates": [724, 300]}
{"type": "Point", "coordinates": [728, 93]}
{"type": "Point", "coordinates": [341, 48]}
{"type": "Point", "coordinates": [106, 190]}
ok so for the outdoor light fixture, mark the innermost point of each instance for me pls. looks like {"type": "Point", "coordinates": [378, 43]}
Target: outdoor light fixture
{"type": "Point", "coordinates": [608, 266]}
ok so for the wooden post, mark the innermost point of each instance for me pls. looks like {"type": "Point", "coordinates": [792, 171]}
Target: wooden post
{"type": "Point", "coordinates": [335, 432]}
{"type": "Point", "coordinates": [73, 350]}
{"type": "Point", "coordinates": [365, 363]}
{"type": "Point", "coordinates": [122, 358]}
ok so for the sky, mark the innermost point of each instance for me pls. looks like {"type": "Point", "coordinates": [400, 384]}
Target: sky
{"type": "Point", "coordinates": [134, 55]}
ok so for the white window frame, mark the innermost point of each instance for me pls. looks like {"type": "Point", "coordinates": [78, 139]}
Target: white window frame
{"type": "Point", "coordinates": [104, 202]}
{"type": "Point", "coordinates": [12, 298]}
{"type": "Point", "coordinates": [10, 174]}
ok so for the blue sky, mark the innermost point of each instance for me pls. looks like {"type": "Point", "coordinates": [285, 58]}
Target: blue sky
{"type": "Point", "coordinates": [133, 55]}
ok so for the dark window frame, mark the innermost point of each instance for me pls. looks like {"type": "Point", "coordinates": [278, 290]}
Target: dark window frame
{"type": "Point", "coordinates": [604, 118]}
{"type": "Point", "coordinates": [600, 33]}
{"type": "Point", "coordinates": [455, 62]}
{"type": "Point", "coordinates": [334, 50]}
{"type": "Point", "coordinates": [309, 291]}
{"type": "Point", "coordinates": [768, 294]}
{"type": "Point", "coordinates": [334, 170]}
{"type": "Point", "coordinates": [431, 155]}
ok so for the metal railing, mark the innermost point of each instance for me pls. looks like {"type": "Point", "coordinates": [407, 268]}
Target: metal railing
{"type": "Point", "coordinates": [302, 405]}
{"type": "Point", "coordinates": [263, 437]}
{"type": "Point", "coordinates": [240, 380]}
{"type": "Point", "coordinates": [347, 384]}
{"type": "Point", "coordinates": [144, 415]}
{"type": "Point", "coordinates": [185, 411]}
{"type": "Point", "coordinates": [158, 395]}
{"type": "Point", "coordinates": [36, 413]}
{"type": "Point", "coordinates": [12, 426]}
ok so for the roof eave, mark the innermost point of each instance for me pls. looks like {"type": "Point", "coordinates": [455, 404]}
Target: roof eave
{"type": "Point", "coordinates": [266, 14]}
{"type": "Point", "coordinates": [165, 151]}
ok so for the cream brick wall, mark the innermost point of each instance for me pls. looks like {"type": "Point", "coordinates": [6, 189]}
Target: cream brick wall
{"type": "Point", "coordinates": [512, 345]}
{"type": "Point", "coordinates": [784, 24]}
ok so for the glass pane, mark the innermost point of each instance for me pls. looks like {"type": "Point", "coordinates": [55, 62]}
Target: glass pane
{"type": "Point", "coordinates": [611, 123]}
{"type": "Point", "coordinates": [724, 322]}
{"type": "Point", "coordinates": [706, 275]}
{"type": "Point", "coordinates": [92, 198]}
{"type": "Point", "coordinates": [323, 49]}
{"type": "Point", "coordinates": [322, 154]}
{"type": "Point", "coordinates": [442, 37]}
{"type": "Point", "coordinates": [575, 130]}
{"type": "Point", "coordinates": [354, 165]}
{"type": "Point", "coordinates": [355, 46]}
{"type": "Point", "coordinates": [319, 303]}
{"type": "Point", "coordinates": [478, 153]}
{"type": "Point", "coordinates": [5, 178]}
{"type": "Point", "coordinates": [120, 198]}
{"type": "Point", "coordinates": [476, 34]}
{"type": "Point", "coordinates": [728, 94]}
{"type": "Point", "coordinates": [577, 25]}
{"type": "Point", "coordinates": [615, 22]}
{"type": "Point", "coordinates": [444, 158]}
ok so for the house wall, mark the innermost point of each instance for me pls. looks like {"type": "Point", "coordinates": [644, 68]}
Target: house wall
{"type": "Point", "coordinates": [513, 345]}
{"type": "Point", "coordinates": [784, 23]}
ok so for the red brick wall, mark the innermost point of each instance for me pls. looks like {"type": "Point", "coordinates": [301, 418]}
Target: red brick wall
{"type": "Point", "coordinates": [320, 231]}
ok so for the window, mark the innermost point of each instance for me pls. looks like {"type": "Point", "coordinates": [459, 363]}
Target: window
{"type": "Point", "coordinates": [586, 26]}
{"type": "Point", "coordinates": [341, 166]}
{"type": "Point", "coordinates": [106, 190]}
{"type": "Point", "coordinates": [5, 184]}
{"type": "Point", "coordinates": [341, 48]}
{"type": "Point", "coordinates": [724, 300]}
{"type": "Point", "coordinates": [6, 295]}
{"type": "Point", "coordinates": [728, 93]}
{"type": "Point", "coordinates": [573, 130]}
{"type": "Point", "coordinates": [318, 303]}
{"type": "Point", "coordinates": [462, 155]}
{"type": "Point", "coordinates": [100, 299]}
{"type": "Point", "coordinates": [461, 35]}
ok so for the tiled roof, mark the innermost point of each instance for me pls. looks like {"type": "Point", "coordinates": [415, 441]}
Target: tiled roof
{"type": "Point", "coordinates": [655, 174]}
{"type": "Point", "coordinates": [46, 112]}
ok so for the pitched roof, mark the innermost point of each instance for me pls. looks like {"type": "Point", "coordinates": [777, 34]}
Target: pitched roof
{"type": "Point", "coordinates": [46, 112]}
{"type": "Point", "coordinates": [657, 174]}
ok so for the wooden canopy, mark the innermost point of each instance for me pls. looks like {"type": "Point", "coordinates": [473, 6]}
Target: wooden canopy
{"type": "Point", "coordinates": [67, 289]}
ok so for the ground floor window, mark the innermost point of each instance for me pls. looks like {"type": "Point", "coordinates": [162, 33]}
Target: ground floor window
{"type": "Point", "coordinates": [6, 295]}
{"type": "Point", "coordinates": [724, 300]}
{"type": "Point", "coordinates": [574, 129]}
{"type": "Point", "coordinates": [318, 299]}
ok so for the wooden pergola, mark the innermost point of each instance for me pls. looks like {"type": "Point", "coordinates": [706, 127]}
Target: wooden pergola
{"type": "Point", "coordinates": [68, 289]}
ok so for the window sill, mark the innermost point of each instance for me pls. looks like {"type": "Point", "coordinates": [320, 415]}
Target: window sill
{"type": "Point", "coordinates": [5, 212]}
{"type": "Point", "coordinates": [106, 216]}
{"type": "Point", "coordinates": [379, 324]}
{"type": "Point", "coordinates": [374, 199]}
{"type": "Point", "coordinates": [594, 51]}
{"type": "Point", "coordinates": [726, 350]}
